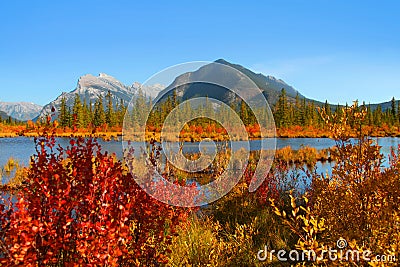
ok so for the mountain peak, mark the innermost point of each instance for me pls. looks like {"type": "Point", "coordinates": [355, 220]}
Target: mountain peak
{"type": "Point", "coordinates": [266, 83]}
{"type": "Point", "coordinates": [269, 85]}
{"type": "Point", "coordinates": [89, 88]}
{"type": "Point", "coordinates": [104, 75]}
{"type": "Point", "coordinates": [222, 61]}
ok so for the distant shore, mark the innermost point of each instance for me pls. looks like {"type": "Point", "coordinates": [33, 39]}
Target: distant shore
{"type": "Point", "coordinates": [280, 133]}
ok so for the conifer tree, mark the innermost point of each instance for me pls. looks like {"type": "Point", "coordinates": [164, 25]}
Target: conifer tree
{"type": "Point", "coordinates": [378, 116]}
{"type": "Point", "coordinates": [9, 121]}
{"type": "Point", "coordinates": [281, 109]}
{"type": "Point", "coordinates": [99, 116]}
{"type": "Point", "coordinates": [140, 107]}
{"type": "Point", "coordinates": [91, 113]}
{"type": "Point", "coordinates": [303, 112]}
{"type": "Point", "coordinates": [244, 116]}
{"type": "Point", "coordinates": [121, 109]}
{"type": "Point", "coordinates": [86, 119]}
{"type": "Point", "coordinates": [298, 112]}
{"type": "Point", "coordinates": [314, 114]}
{"type": "Point", "coordinates": [398, 112]}
{"type": "Point", "coordinates": [370, 117]}
{"type": "Point", "coordinates": [109, 110]}
{"type": "Point", "coordinates": [327, 108]}
{"type": "Point", "coordinates": [77, 111]}
{"type": "Point", "coordinates": [393, 110]}
{"type": "Point", "coordinates": [63, 116]}
{"type": "Point", "coordinates": [70, 117]}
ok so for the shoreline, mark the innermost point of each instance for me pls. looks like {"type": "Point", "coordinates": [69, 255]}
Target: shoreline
{"type": "Point", "coordinates": [108, 136]}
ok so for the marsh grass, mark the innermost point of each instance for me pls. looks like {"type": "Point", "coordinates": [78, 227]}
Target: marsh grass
{"type": "Point", "coordinates": [12, 175]}
{"type": "Point", "coordinates": [305, 155]}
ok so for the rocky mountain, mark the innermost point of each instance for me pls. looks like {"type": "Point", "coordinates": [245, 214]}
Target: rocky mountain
{"type": "Point", "coordinates": [90, 87]}
{"type": "Point", "coordinates": [22, 111]}
{"type": "Point", "coordinates": [3, 115]}
{"type": "Point", "coordinates": [269, 85]}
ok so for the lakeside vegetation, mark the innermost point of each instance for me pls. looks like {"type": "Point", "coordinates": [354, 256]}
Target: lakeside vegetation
{"type": "Point", "coordinates": [293, 119]}
{"type": "Point", "coordinates": [80, 206]}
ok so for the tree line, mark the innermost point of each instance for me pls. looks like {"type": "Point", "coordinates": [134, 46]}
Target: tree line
{"type": "Point", "coordinates": [205, 111]}
{"type": "Point", "coordinates": [86, 115]}
{"type": "Point", "coordinates": [10, 121]}
{"type": "Point", "coordinates": [287, 112]}
{"type": "Point", "coordinates": [302, 112]}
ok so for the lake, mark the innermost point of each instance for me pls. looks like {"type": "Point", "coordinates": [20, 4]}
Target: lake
{"type": "Point", "coordinates": [21, 148]}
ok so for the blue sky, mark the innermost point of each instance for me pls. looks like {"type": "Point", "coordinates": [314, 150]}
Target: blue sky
{"type": "Point", "coordinates": [334, 50]}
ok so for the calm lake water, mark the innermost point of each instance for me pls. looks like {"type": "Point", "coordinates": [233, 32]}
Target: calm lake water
{"type": "Point", "coordinates": [21, 148]}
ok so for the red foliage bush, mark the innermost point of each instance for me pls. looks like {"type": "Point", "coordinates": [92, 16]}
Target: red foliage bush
{"type": "Point", "coordinates": [199, 129]}
{"type": "Point", "coordinates": [81, 206]}
{"type": "Point", "coordinates": [210, 128]}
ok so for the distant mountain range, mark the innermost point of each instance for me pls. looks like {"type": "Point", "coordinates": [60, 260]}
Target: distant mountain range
{"type": "Point", "coordinates": [21, 111]}
{"type": "Point", "coordinates": [90, 87]}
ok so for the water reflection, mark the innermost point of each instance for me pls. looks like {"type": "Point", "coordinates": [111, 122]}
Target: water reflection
{"type": "Point", "coordinates": [21, 148]}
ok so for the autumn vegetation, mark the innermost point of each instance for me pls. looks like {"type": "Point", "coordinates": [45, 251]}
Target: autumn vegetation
{"type": "Point", "coordinates": [79, 206]}
{"type": "Point", "coordinates": [294, 118]}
